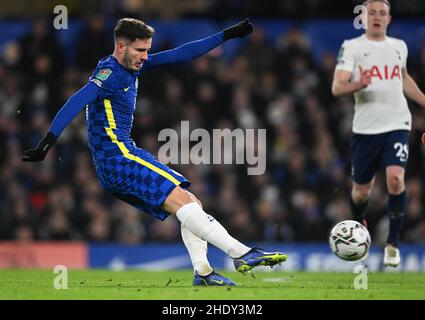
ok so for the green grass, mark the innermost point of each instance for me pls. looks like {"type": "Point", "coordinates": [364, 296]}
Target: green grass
{"type": "Point", "coordinates": [105, 284]}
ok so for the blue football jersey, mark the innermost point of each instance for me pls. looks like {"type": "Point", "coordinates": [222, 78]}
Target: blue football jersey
{"type": "Point", "coordinates": [110, 117]}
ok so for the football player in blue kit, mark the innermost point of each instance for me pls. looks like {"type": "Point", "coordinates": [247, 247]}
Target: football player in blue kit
{"type": "Point", "coordinates": [134, 175]}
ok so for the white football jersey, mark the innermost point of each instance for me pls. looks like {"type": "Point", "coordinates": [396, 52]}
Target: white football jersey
{"type": "Point", "coordinates": [381, 106]}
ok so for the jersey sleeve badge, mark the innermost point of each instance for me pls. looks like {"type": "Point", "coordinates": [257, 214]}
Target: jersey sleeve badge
{"type": "Point", "coordinates": [103, 74]}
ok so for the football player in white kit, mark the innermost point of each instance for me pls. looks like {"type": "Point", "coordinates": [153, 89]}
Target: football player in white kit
{"type": "Point", "coordinates": [373, 68]}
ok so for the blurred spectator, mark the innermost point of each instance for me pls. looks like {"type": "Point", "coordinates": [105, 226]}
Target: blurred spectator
{"type": "Point", "coordinates": [89, 55]}
{"type": "Point", "coordinates": [40, 41]}
{"type": "Point", "coordinates": [166, 231]}
{"type": "Point", "coordinates": [130, 230]}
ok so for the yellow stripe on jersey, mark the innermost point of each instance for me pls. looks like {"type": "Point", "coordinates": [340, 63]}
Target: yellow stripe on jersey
{"type": "Point", "coordinates": [123, 148]}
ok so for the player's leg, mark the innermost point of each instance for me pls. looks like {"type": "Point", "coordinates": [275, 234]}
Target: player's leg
{"type": "Point", "coordinates": [204, 273]}
{"type": "Point", "coordinates": [397, 201]}
{"type": "Point", "coordinates": [189, 212]}
{"type": "Point", "coordinates": [359, 200]}
{"type": "Point", "coordinates": [191, 215]}
{"type": "Point", "coordinates": [366, 155]}
{"type": "Point", "coordinates": [395, 159]}
{"type": "Point", "coordinates": [198, 248]}
{"type": "Point", "coordinates": [396, 207]}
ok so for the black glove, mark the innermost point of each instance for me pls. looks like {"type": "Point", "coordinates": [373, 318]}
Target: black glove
{"type": "Point", "coordinates": [240, 30]}
{"type": "Point", "coordinates": [34, 155]}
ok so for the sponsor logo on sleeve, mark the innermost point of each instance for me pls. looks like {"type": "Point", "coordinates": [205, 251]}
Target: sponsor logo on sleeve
{"type": "Point", "coordinates": [103, 74]}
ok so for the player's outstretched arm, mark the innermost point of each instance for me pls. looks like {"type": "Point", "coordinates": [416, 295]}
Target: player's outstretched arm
{"type": "Point", "coordinates": [194, 49]}
{"type": "Point", "coordinates": [66, 114]}
{"type": "Point", "coordinates": [412, 90]}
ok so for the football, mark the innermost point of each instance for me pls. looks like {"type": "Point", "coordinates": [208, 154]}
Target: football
{"type": "Point", "coordinates": [350, 240]}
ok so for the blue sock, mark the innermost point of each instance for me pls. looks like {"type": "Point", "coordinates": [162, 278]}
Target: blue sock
{"type": "Point", "coordinates": [396, 207]}
{"type": "Point", "coordinates": [358, 210]}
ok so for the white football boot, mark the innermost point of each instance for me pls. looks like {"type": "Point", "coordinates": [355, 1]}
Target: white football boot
{"type": "Point", "coordinates": [391, 256]}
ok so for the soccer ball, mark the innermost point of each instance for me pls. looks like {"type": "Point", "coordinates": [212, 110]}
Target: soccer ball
{"type": "Point", "coordinates": [350, 240]}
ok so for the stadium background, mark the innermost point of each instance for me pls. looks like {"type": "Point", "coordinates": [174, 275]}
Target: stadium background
{"type": "Point", "coordinates": [279, 78]}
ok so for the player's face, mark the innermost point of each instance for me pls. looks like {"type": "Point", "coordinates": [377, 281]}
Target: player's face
{"type": "Point", "coordinates": [378, 19]}
{"type": "Point", "coordinates": [136, 53]}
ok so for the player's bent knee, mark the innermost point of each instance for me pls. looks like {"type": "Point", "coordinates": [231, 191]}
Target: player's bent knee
{"type": "Point", "coordinates": [361, 194]}
{"type": "Point", "coordinates": [395, 184]}
{"type": "Point", "coordinates": [194, 198]}
{"type": "Point", "coordinates": [395, 179]}
{"type": "Point", "coordinates": [177, 199]}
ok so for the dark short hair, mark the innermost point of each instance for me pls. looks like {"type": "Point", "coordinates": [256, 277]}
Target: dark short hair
{"type": "Point", "coordinates": [132, 29]}
{"type": "Point", "coordinates": [383, 1]}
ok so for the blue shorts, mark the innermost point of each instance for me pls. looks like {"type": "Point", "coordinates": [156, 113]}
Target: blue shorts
{"type": "Point", "coordinates": [372, 152]}
{"type": "Point", "coordinates": [140, 180]}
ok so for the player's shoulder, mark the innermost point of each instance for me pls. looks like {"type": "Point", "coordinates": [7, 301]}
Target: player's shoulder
{"type": "Point", "coordinates": [107, 66]}
{"type": "Point", "coordinates": [107, 70]}
{"type": "Point", "coordinates": [353, 41]}
{"type": "Point", "coordinates": [352, 44]}
{"type": "Point", "coordinates": [397, 42]}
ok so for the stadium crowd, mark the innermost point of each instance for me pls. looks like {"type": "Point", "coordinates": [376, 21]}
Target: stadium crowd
{"type": "Point", "coordinates": [277, 86]}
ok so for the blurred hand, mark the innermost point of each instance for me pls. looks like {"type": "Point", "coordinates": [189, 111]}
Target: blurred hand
{"type": "Point", "coordinates": [239, 30]}
{"type": "Point", "coordinates": [38, 154]}
{"type": "Point", "coordinates": [34, 155]}
{"type": "Point", "coordinates": [423, 138]}
{"type": "Point", "coordinates": [365, 78]}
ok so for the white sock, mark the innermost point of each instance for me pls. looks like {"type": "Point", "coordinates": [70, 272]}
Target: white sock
{"type": "Point", "coordinates": [197, 249]}
{"type": "Point", "coordinates": [209, 229]}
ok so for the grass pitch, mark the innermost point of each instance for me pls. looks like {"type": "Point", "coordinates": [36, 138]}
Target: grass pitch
{"type": "Point", "coordinates": [176, 285]}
